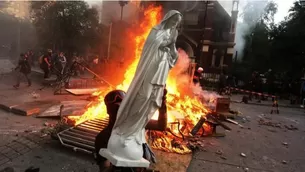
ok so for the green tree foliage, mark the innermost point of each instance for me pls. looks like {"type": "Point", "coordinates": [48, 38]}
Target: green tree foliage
{"type": "Point", "coordinates": [288, 41]}
{"type": "Point", "coordinates": [267, 45]}
{"type": "Point", "coordinates": [66, 25]}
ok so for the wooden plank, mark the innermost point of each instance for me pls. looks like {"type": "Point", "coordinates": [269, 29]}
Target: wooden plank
{"type": "Point", "coordinates": [33, 108]}
{"type": "Point", "coordinates": [7, 105]}
{"type": "Point", "coordinates": [74, 108]}
{"type": "Point", "coordinates": [232, 121]}
{"type": "Point", "coordinates": [83, 91]}
{"type": "Point", "coordinates": [50, 112]}
{"type": "Point", "coordinates": [227, 115]}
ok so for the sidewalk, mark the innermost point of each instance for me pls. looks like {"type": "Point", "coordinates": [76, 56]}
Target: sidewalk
{"type": "Point", "coordinates": [237, 98]}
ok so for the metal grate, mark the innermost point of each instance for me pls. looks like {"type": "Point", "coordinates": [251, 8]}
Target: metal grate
{"type": "Point", "coordinates": [82, 136]}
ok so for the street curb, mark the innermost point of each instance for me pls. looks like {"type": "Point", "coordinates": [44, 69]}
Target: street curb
{"type": "Point", "coordinates": [270, 105]}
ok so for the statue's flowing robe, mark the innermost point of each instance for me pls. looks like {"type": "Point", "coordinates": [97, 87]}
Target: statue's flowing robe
{"type": "Point", "coordinates": [144, 95]}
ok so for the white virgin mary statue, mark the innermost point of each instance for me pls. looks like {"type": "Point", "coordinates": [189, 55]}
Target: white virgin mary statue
{"type": "Point", "coordinates": [145, 92]}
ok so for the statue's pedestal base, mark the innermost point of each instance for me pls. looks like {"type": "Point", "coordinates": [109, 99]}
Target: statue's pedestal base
{"type": "Point", "coordinates": [120, 162]}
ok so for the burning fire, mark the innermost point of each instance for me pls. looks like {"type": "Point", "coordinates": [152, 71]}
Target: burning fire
{"type": "Point", "coordinates": [189, 107]}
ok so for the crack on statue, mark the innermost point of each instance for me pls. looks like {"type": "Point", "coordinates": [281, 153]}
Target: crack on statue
{"type": "Point", "coordinates": [144, 97]}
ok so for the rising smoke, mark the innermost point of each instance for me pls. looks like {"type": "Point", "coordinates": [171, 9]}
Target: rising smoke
{"type": "Point", "coordinates": [110, 11]}
{"type": "Point", "coordinates": [183, 83]}
{"type": "Point", "coordinates": [253, 9]}
{"type": "Point", "coordinates": [18, 9]}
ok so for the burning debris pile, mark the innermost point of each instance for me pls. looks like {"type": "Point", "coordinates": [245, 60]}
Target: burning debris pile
{"type": "Point", "coordinates": [187, 106]}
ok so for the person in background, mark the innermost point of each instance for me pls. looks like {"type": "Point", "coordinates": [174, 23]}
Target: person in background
{"type": "Point", "coordinates": [83, 62]}
{"type": "Point", "coordinates": [30, 56]}
{"type": "Point", "coordinates": [198, 76]}
{"type": "Point", "coordinates": [45, 64]}
{"type": "Point", "coordinates": [63, 61]}
{"type": "Point", "coordinates": [24, 68]}
{"type": "Point", "coordinates": [113, 101]}
{"type": "Point", "coordinates": [222, 82]}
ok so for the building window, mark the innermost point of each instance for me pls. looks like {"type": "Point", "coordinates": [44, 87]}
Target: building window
{"type": "Point", "coordinates": [205, 48]}
{"type": "Point", "coordinates": [217, 58]}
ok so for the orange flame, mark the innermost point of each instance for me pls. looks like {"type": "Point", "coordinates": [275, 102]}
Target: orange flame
{"type": "Point", "coordinates": [191, 108]}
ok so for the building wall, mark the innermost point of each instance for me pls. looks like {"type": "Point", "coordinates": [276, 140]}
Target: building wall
{"type": "Point", "coordinates": [218, 37]}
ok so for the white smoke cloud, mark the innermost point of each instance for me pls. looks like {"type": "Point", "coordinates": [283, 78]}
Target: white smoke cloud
{"type": "Point", "coordinates": [18, 9]}
{"type": "Point", "coordinates": [111, 10]}
{"type": "Point", "coordinates": [184, 85]}
{"type": "Point", "coordinates": [242, 28]}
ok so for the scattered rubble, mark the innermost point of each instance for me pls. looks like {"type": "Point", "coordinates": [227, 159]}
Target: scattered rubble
{"type": "Point", "coordinates": [236, 112]}
{"type": "Point", "coordinates": [269, 123]}
{"type": "Point", "coordinates": [196, 143]}
{"type": "Point", "coordinates": [35, 95]}
{"type": "Point", "coordinates": [242, 154]}
{"type": "Point", "coordinates": [223, 157]}
{"type": "Point", "coordinates": [263, 120]}
{"type": "Point", "coordinates": [284, 162]}
{"type": "Point", "coordinates": [285, 143]}
{"type": "Point", "coordinates": [291, 127]}
{"type": "Point", "coordinates": [49, 124]}
{"type": "Point", "coordinates": [219, 152]}
{"type": "Point", "coordinates": [271, 130]}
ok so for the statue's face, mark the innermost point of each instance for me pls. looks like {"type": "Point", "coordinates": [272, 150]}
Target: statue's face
{"type": "Point", "coordinates": [174, 21]}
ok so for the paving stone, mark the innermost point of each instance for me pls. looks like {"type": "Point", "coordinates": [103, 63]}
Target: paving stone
{"type": "Point", "coordinates": [3, 159]}
{"type": "Point", "coordinates": [9, 152]}
{"type": "Point", "coordinates": [33, 138]}
{"type": "Point", "coordinates": [18, 147]}
{"type": "Point", "coordinates": [27, 143]}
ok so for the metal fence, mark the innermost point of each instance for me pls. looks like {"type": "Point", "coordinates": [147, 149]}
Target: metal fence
{"type": "Point", "coordinates": [210, 81]}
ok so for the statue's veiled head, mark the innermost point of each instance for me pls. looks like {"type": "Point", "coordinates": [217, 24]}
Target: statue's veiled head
{"type": "Point", "coordinates": [170, 20]}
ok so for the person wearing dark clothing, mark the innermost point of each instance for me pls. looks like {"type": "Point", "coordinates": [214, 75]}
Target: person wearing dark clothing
{"type": "Point", "coordinates": [253, 81]}
{"type": "Point", "coordinates": [24, 68]}
{"type": "Point", "coordinates": [30, 56]}
{"type": "Point", "coordinates": [258, 84]}
{"type": "Point", "coordinates": [231, 81]}
{"type": "Point", "coordinates": [46, 63]}
{"type": "Point", "coordinates": [112, 101]}
{"type": "Point", "coordinates": [198, 76]}
{"type": "Point", "coordinates": [222, 83]}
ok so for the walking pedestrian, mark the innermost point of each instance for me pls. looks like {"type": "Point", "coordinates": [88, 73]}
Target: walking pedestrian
{"type": "Point", "coordinates": [45, 64]}
{"type": "Point", "coordinates": [24, 68]}
{"type": "Point", "coordinates": [222, 82]}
